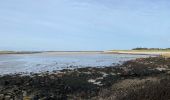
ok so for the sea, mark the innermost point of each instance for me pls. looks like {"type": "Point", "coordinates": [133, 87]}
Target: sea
{"type": "Point", "coordinates": [56, 61]}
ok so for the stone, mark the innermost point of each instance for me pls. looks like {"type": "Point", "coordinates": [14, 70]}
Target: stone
{"type": "Point", "coordinates": [1, 96]}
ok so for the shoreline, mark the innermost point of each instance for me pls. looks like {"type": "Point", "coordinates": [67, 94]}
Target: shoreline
{"type": "Point", "coordinates": [109, 51]}
{"type": "Point", "coordinates": [130, 52]}
{"type": "Point", "coordinates": [39, 65]}
{"type": "Point", "coordinates": [49, 52]}
{"type": "Point", "coordinates": [140, 52]}
{"type": "Point", "coordinates": [82, 52]}
{"type": "Point", "coordinates": [18, 52]}
{"type": "Point", "coordinates": [86, 83]}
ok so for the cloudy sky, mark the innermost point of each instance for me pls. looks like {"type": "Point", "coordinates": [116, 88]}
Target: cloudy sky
{"type": "Point", "coordinates": [84, 24]}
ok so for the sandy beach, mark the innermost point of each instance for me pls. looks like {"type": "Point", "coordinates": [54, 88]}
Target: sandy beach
{"type": "Point", "coordinates": [143, 52]}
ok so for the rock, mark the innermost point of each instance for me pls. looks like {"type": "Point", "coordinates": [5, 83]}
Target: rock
{"type": "Point", "coordinates": [24, 93]}
{"type": "Point", "coordinates": [91, 80]}
{"type": "Point", "coordinates": [161, 69]}
{"type": "Point", "coordinates": [1, 96]}
{"type": "Point", "coordinates": [26, 98]}
{"type": "Point", "coordinates": [7, 97]}
{"type": "Point", "coordinates": [168, 72]}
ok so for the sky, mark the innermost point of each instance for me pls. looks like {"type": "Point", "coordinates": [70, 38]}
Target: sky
{"type": "Point", "coordinates": [70, 25]}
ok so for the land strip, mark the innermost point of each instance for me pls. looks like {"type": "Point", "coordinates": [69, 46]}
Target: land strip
{"type": "Point", "coordinates": [165, 53]}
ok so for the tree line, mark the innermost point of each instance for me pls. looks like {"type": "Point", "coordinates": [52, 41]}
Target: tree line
{"type": "Point", "coordinates": [139, 48]}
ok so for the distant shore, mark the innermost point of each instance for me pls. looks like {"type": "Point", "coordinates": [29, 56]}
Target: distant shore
{"type": "Point", "coordinates": [165, 53]}
{"type": "Point", "coordinates": [52, 52]}
{"type": "Point", "coordinates": [19, 52]}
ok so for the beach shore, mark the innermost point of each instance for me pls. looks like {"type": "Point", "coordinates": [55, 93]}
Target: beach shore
{"type": "Point", "coordinates": [108, 83]}
{"type": "Point", "coordinates": [165, 53]}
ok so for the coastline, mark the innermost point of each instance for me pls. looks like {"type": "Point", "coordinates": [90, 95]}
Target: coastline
{"type": "Point", "coordinates": [19, 52]}
{"type": "Point", "coordinates": [140, 52]}
{"type": "Point", "coordinates": [50, 52]}
{"type": "Point", "coordinates": [88, 83]}
{"type": "Point", "coordinates": [131, 52]}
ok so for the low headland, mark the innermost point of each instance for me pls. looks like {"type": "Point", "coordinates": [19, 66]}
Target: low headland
{"type": "Point", "coordinates": [139, 79]}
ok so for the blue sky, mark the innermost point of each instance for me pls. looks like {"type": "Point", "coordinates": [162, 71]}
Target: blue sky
{"type": "Point", "coordinates": [84, 24]}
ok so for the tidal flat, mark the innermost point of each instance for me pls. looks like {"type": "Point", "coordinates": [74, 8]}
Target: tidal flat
{"type": "Point", "coordinates": [137, 79]}
{"type": "Point", "coordinates": [50, 61]}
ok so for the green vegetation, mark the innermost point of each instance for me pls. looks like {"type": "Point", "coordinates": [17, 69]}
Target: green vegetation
{"type": "Point", "coordinates": [144, 50]}
{"type": "Point", "coordinates": [140, 50]}
{"type": "Point", "coordinates": [151, 48]}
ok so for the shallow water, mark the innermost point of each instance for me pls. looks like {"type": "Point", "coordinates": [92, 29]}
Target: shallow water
{"type": "Point", "coordinates": [16, 63]}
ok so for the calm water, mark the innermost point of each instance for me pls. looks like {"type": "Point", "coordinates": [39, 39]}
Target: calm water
{"type": "Point", "coordinates": [56, 61]}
